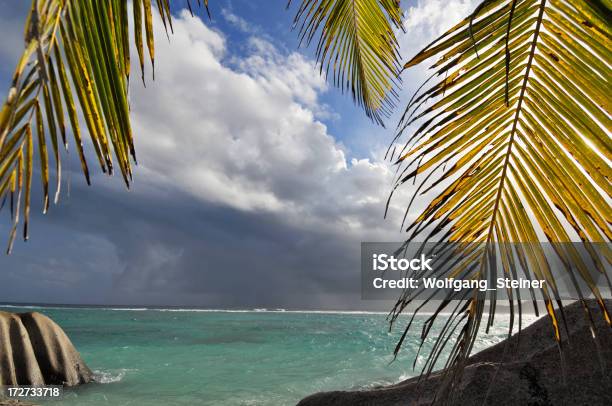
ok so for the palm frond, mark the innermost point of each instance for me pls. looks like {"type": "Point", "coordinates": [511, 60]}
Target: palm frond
{"type": "Point", "coordinates": [512, 144]}
{"type": "Point", "coordinates": [76, 60]}
{"type": "Point", "coordinates": [357, 43]}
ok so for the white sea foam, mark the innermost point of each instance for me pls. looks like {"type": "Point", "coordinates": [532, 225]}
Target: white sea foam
{"type": "Point", "coordinates": [110, 376]}
{"type": "Point", "coordinates": [267, 311]}
{"type": "Point", "coordinates": [528, 317]}
{"type": "Point", "coordinates": [20, 307]}
{"type": "Point", "coordinates": [403, 377]}
{"type": "Point", "coordinates": [194, 310]}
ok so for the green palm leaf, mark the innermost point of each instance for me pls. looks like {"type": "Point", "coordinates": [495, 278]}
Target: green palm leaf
{"type": "Point", "coordinates": [76, 60]}
{"type": "Point", "coordinates": [357, 43]}
{"type": "Point", "coordinates": [75, 50]}
{"type": "Point", "coordinates": [512, 145]}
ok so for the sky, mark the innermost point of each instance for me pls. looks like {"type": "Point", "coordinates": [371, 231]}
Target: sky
{"type": "Point", "coordinates": [256, 182]}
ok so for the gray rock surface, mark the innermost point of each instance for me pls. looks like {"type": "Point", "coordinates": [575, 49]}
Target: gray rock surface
{"type": "Point", "coordinates": [35, 351]}
{"type": "Point", "coordinates": [531, 373]}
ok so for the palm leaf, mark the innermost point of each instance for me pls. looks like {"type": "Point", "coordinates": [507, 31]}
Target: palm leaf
{"type": "Point", "coordinates": [512, 144]}
{"type": "Point", "coordinates": [76, 59]}
{"type": "Point", "coordinates": [357, 43]}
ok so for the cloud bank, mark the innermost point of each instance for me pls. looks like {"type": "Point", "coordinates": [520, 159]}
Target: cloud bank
{"type": "Point", "coordinates": [242, 198]}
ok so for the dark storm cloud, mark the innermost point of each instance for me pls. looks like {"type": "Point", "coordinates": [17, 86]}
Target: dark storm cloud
{"type": "Point", "coordinates": [124, 248]}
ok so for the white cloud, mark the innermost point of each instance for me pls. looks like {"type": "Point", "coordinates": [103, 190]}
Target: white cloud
{"type": "Point", "coordinates": [237, 21]}
{"type": "Point", "coordinates": [249, 137]}
{"type": "Point", "coordinates": [430, 18]}
{"type": "Point", "coordinates": [293, 75]}
{"type": "Point", "coordinates": [437, 16]}
{"type": "Point", "coordinates": [426, 21]}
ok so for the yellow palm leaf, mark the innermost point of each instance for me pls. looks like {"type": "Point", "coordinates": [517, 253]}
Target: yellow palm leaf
{"type": "Point", "coordinates": [512, 145]}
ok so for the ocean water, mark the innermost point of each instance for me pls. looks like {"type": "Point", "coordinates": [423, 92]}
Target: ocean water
{"type": "Point", "coordinates": [157, 357]}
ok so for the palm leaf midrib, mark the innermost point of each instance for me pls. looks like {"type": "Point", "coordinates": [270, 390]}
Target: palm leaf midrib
{"type": "Point", "coordinates": [517, 116]}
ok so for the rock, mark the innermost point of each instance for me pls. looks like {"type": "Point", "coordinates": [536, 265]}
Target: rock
{"type": "Point", "coordinates": [531, 373]}
{"type": "Point", "coordinates": [35, 351]}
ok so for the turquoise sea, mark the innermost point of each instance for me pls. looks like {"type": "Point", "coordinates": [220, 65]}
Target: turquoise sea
{"type": "Point", "coordinates": [196, 357]}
